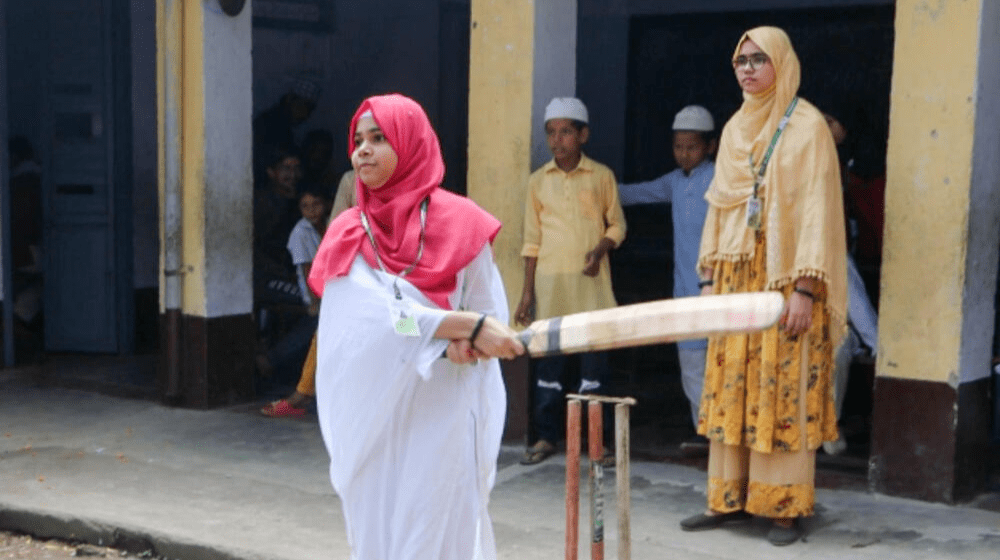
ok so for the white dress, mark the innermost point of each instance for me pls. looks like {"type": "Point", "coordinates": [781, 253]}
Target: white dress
{"type": "Point", "coordinates": [413, 438]}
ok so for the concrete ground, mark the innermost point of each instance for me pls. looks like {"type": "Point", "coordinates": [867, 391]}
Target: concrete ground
{"type": "Point", "coordinates": [230, 484]}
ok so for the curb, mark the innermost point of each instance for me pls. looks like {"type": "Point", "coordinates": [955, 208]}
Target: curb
{"type": "Point", "coordinates": [130, 539]}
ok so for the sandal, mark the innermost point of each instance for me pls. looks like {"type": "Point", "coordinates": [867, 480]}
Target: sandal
{"type": "Point", "coordinates": [282, 409]}
{"type": "Point", "coordinates": [705, 522]}
{"type": "Point", "coordinates": [537, 453]}
{"type": "Point", "coordinates": [784, 536]}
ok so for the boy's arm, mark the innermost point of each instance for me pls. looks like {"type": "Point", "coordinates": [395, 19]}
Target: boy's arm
{"type": "Point", "coordinates": [614, 231]}
{"type": "Point", "coordinates": [614, 216]}
{"type": "Point", "coordinates": [525, 312]}
{"type": "Point", "coordinates": [648, 192]}
{"type": "Point", "coordinates": [593, 258]}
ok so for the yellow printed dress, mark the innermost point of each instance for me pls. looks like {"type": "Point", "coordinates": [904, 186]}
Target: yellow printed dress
{"type": "Point", "coordinates": [767, 404]}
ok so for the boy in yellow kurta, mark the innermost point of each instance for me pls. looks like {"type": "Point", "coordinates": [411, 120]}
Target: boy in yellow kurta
{"type": "Point", "coordinates": [572, 218]}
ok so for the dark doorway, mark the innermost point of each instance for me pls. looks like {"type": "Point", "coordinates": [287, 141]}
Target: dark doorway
{"type": "Point", "coordinates": [453, 107]}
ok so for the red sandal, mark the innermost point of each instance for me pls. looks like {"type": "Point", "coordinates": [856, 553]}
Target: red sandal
{"type": "Point", "coordinates": [282, 409]}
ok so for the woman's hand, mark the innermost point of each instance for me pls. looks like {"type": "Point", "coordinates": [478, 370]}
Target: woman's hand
{"type": "Point", "coordinates": [797, 317]}
{"type": "Point", "coordinates": [497, 340]}
{"type": "Point", "coordinates": [705, 280]}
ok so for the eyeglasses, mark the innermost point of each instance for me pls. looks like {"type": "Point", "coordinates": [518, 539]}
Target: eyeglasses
{"type": "Point", "coordinates": [755, 61]}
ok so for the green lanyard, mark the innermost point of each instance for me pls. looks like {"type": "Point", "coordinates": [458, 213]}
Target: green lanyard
{"type": "Point", "coordinates": [759, 175]}
{"type": "Point", "coordinates": [420, 249]}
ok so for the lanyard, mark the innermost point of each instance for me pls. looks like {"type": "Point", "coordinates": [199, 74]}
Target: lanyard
{"type": "Point", "coordinates": [420, 249]}
{"type": "Point", "coordinates": [759, 176]}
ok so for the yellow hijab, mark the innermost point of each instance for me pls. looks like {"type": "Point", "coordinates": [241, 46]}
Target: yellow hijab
{"type": "Point", "coordinates": [803, 207]}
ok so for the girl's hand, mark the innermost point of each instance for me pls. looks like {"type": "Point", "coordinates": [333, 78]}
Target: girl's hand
{"type": "Point", "coordinates": [797, 317]}
{"type": "Point", "coordinates": [461, 352]}
{"type": "Point", "coordinates": [497, 340]}
{"type": "Point", "coordinates": [706, 290]}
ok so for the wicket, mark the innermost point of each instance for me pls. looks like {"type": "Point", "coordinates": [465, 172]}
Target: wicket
{"type": "Point", "coordinates": [595, 440]}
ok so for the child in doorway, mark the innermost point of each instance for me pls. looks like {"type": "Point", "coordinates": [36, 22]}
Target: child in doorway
{"type": "Point", "coordinates": [684, 188]}
{"type": "Point", "coordinates": [571, 220]}
{"type": "Point", "coordinates": [302, 245]}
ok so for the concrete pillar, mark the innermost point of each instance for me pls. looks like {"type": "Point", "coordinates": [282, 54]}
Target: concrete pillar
{"type": "Point", "coordinates": [501, 71]}
{"type": "Point", "coordinates": [932, 391]}
{"type": "Point", "coordinates": [522, 53]}
{"type": "Point", "coordinates": [204, 120]}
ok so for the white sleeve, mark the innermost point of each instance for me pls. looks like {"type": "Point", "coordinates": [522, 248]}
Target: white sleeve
{"type": "Point", "coordinates": [480, 289]}
{"type": "Point", "coordinates": [298, 247]}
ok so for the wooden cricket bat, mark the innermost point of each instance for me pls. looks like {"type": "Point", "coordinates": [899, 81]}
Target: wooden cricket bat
{"type": "Point", "coordinates": [654, 322]}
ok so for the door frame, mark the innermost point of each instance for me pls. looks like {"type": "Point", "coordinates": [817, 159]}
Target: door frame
{"type": "Point", "coordinates": [7, 264]}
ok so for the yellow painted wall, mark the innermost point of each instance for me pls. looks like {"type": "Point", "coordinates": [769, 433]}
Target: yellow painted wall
{"type": "Point", "coordinates": [180, 58]}
{"type": "Point", "coordinates": [927, 191]}
{"type": "Point", "coordinates": [500, 92]}
{"type": "Point", "coordinates": [193, 160]}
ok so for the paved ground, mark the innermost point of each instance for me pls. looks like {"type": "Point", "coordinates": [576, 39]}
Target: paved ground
{"type": "Point", "coordinates": [229, 484]}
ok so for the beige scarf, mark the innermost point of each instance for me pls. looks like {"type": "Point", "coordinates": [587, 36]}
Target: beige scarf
{"type": "Point", "coordinates": [803, 208]}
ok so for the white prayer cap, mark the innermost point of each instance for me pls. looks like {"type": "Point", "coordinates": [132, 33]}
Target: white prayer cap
{"type": "Point", "coordinates": [566, 108]}
{"type": "Point", "coordinates": [694, 117]}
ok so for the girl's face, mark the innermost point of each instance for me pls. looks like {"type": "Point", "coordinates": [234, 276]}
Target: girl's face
{"type": "Point", "coordinates": [373, 158]}
{"type": "Point", "coordinates": [754, 69]}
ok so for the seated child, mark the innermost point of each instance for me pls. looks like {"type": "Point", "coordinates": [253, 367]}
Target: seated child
{"type": "Point", "coordinates": [303, 242]}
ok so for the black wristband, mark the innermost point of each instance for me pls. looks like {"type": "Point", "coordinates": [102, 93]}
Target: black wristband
{"type": "Point", "coordinates": [476, 329]}
{"type": "Point", "coordinates": [703, 283]}
{"type": "Point", "coordinates": [806, 293]}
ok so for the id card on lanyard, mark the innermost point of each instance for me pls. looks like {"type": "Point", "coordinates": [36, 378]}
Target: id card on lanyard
{"type": "Point", "coordinates": [754, 206]}
{"type": "Point", "coordinates": [400, 315]}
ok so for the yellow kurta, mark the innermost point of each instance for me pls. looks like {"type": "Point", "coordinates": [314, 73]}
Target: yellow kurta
{"type": "Point", "coordinates": [566, 215]}
{"type": "Point", "coordinates": [753, 397]}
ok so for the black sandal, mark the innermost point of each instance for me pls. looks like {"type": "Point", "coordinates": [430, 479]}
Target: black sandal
{"type": "Point", "coordinates": [784, 536]}
{"type": "Point", "coordinates": [705, 522]}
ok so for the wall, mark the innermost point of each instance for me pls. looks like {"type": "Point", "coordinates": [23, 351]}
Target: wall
{"type": "Point", "coordinates": [984, 214]}
{"type": "Point", "coordinates": [228, 182]}
{"type": "Point", "coordinates": [25, 47]}
{"type": "Point", "coordinates": [555, 67]}
{"type": "Point", "coordinates": [927, 193]}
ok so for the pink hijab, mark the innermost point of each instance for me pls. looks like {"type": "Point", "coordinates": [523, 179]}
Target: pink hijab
{"type": "Point", "coordinates": [457, 229]}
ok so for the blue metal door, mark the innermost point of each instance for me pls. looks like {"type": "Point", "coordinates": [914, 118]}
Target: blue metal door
{"type": "Point", "coordinates": [80, 280]}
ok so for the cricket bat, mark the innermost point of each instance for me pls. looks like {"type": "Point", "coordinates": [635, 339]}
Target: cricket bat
{"type": "Point", "coordinates": [654, 322]}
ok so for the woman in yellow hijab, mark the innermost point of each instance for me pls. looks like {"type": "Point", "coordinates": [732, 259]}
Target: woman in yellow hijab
{"type": "Point", "coordinates": [775, 222]}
